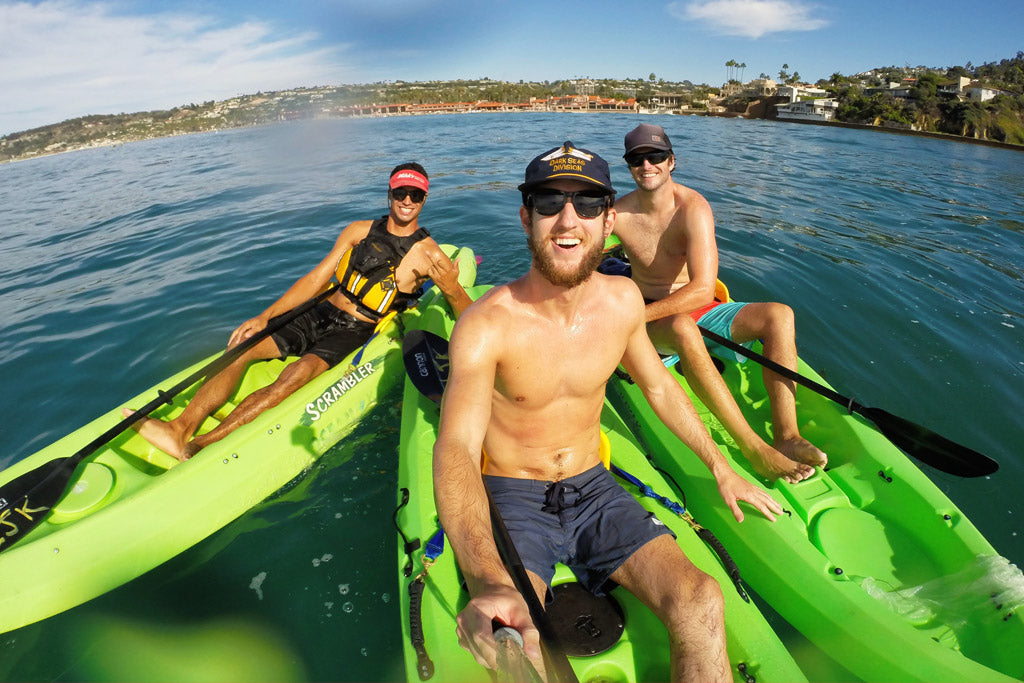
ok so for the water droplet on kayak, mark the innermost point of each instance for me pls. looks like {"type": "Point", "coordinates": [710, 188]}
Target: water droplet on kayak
{"type": "Point", "coordinates": [257, 584]}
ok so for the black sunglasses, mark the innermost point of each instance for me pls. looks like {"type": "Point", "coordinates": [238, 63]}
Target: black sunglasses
{"type": "Point", "coordinates": [588, 203]}
{"type": "Point", "coordinates": [400, 193]}
{"type": "Point", "coordinates": [638, 158]}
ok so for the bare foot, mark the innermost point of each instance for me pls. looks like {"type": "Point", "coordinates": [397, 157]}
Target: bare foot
{"type": "Point", "coordinates": [802, 450]}
{"type": "Point", "coordinates": [161, 435]}
{"type": "Point", "coordinates": [773, 464]}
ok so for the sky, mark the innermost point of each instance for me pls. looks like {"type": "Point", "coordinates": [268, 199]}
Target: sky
{"type": "Point", "coordinates": [60, 59]}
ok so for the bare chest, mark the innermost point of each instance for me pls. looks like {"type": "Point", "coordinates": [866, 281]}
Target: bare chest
{"type": "Point", "coordinates": [656, 250]}
{"type": "Point", "coordinates": [548, 365]}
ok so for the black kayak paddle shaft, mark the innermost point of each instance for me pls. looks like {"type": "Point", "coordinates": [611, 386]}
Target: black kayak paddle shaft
{"type": "Point", "coordinates": [25, 500]}
{"type": "Point", "coordinates": [913, 439]}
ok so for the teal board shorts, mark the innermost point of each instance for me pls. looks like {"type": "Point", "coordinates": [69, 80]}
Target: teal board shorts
{"type": "Point", "coordinates": [717, 317]}
{"type": "Point", "coordinates": [719, 320]}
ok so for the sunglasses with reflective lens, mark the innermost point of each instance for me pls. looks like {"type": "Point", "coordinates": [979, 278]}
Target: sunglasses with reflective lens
{"type": "Point", "coordinates": [588, 203]}
{"type": "Point", "coordinates": [400, 193]}
{"type": "Point", "coordinates": [638, 158]}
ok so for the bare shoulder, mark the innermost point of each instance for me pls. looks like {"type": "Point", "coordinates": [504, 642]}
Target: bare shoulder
{"type": "Point", "coordinates": [690, 200]}
{"type": "Point", "coordinates": [628, 203]}
{"type": "Point", "coordinates": [354, 232]}
{"type": "Point", "coordinates": [489, 316]}
{"type": "Point", "coordinates": [620, 294]}
{"type": "Point", "coordinates": [359, 226]}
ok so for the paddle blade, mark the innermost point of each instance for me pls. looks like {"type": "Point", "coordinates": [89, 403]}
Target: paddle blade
{"type": "Point", "coordinates": [426, 362]}
{"type": "Point", "coordinates": [929, 447]}
{"type": "Point", "coordinates": [25, 501]}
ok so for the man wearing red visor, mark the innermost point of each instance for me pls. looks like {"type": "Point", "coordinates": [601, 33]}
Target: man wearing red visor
{"type": "Point", "coordinates": [379, 264]}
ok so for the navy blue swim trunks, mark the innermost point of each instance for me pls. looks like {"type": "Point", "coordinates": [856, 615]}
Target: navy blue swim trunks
{"type": "Point", "coordinates": [587, 522]}
{"type": "Point", "coordinates": [325, 331]}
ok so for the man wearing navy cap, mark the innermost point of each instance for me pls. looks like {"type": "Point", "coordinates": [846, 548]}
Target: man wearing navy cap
{"type": "Point", "coordinates": [668, 233]}
{"type": "Point", "coordinates": [529, 363]}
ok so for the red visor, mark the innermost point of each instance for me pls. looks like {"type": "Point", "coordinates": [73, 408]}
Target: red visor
{"type": "Point", "coordinates": [409, 178]}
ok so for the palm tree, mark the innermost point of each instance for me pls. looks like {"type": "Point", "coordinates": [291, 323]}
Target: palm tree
{"type": "Point", "coordinates": [743, 67]}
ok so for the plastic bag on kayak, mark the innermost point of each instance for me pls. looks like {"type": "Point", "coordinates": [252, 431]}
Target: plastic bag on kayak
{"type": "Point", "coordinates": [988, 587]}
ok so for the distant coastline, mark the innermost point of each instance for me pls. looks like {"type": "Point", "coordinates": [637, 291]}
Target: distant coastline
{"type": "Point", "coordinates": [734, 100]}
{"type": "Point", "coordinates": [122, 139]}
{"type": "Point", "coordinates": [897, 131]}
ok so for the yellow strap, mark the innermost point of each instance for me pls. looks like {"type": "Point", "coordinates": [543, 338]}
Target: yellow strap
{"type": "Point", "coordinates": [384, 321]}
{"type": "Point", "coordinates": [605, 451]}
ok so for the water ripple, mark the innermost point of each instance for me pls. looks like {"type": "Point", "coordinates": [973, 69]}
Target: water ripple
{"type": "Point", "coordinates": [902, 257]}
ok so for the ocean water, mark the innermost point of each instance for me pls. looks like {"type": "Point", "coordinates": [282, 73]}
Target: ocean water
{"type": "Point", "coordinates": [902, 257]}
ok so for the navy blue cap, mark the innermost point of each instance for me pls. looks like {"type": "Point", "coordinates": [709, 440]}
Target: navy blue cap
{"type": "Point", "coordinates": [569, 162]}
{"type": "Point", "coordinates": [649, 136]}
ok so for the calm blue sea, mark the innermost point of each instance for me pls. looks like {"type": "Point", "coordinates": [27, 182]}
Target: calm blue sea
{"type": "Point", "coordinates": [902, 257]}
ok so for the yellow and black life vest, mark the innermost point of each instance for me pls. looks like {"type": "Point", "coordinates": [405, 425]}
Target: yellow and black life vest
{"type": "Point", "coordinates": [367, 271]}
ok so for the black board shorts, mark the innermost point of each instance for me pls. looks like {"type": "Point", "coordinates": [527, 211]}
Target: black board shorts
{"type": "Point", "coordinates": [587, 522]}
{"type": "Point", "coordinates": [325, 331]}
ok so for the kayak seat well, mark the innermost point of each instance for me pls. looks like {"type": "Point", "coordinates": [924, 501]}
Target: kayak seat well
{"type": "Point", "coordinates": [139, 453]}
{"type": "Point", "coordinates": [895, 559]}
{"type": "Point", "coordinates": [258, 375]}
{"type": "Point", "coordinates": [149, 460]}
{"type": "Point", "coordinates": [857, 533]}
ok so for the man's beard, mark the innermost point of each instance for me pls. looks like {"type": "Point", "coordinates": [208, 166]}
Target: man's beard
{"type": "Point", "coordinates": [545, 265]}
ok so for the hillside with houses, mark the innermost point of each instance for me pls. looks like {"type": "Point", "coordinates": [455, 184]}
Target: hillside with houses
{"type": "Point", "coordinates": [983, 103]}
{"type": "Point", "coordinates": [980, 103]}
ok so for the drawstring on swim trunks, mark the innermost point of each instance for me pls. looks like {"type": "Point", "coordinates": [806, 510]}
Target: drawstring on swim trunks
{"type": "Point", "coordinates": [560, 496]}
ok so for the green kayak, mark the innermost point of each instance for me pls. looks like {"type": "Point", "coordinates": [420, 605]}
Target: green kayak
{"type": "Point", "coordinates": [875, 572]}
{"type": "Point", "coordinates": [130, 507]}
{"type": "Point", "coordinates": [617, 639]}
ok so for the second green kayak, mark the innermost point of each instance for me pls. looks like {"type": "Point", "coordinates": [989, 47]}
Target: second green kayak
{"type": "Point", "coordinates": [614, 640]}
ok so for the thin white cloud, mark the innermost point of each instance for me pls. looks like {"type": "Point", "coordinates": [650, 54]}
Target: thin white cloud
{"type": "Point", "coordinates": [65, 58]}
{"type": "Point", "coordinates": [749, 18]}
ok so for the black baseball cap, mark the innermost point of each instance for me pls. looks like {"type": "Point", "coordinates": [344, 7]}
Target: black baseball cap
{"type": "Point", "coordinates": [647, 136]}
